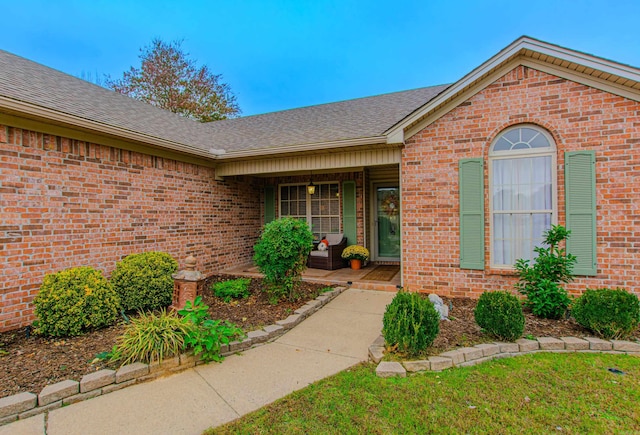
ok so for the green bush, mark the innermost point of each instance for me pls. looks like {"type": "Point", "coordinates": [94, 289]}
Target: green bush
{"type": "Point", "coordinates": [143, 281]}
{"type": "Point", "coordinates": [150, 337]}
{"type": "Point", "coordinates": [540, 282]}
{"type": "Point", "coordinates": [410, 323]}
{"type": "Point", "coordinates": [281, 256]}
{"type": "Point", "coordinates": [232, 289]}
{"type": "Point", "coordinates": [607, 313]}
{"type": "Point", "coordinates": [73, 301]}
{"type": "Point", "coordinates": [206, 336]}
{"type": "Point", "coordinates": [500, 314]}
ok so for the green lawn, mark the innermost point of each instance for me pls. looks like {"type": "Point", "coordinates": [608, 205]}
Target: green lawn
{"type": "Point", "coordinates": [540, 393]}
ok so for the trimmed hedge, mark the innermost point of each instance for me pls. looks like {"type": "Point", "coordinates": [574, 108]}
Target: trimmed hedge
{"type": "Point", "coordinates": [410, 323]}
{"type": "Point", "coordinates": [608, 313]}
{"type": "Point", "coordinates": [143, 281]}
{"type": "Point", "coordinates": [500, 314]}
{"type": "Point", "coordinates": [73, 301]}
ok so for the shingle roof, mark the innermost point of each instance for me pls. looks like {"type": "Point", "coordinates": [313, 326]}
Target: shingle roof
{"type": "Point", "coordinates": [344, 120]}
{"type": "Point", "coordinates": [30, 82]}
{"type": "Point", "coordinates": [33, 83]}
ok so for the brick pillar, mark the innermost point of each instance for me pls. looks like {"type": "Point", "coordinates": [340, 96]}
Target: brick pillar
{"type": "Point", "coordinates": [185, 284]}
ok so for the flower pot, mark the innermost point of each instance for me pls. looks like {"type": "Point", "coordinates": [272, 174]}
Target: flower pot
{"type": "Point", "coordinates": [356, 264]}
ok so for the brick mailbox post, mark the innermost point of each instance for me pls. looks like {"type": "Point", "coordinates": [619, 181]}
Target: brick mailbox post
{"type": "Point", "coordinates": [186, 283]}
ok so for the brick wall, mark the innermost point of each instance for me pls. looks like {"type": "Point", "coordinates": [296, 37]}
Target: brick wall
{"type": "Point", "coordinates": [67, 203]}
{"type": "Point", "coordinates": [578, 117]}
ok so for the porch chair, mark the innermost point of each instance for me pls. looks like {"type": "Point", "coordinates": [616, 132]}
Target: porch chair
{"type": "Point", "coordinates": [330, 259]}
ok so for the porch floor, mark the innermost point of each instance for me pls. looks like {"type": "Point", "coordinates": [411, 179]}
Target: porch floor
{"type": "Point", "coordinates": [339, 276]}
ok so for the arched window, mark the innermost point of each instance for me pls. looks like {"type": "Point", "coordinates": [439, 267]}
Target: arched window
{"type": "Point", "coordinates": [522, 165]}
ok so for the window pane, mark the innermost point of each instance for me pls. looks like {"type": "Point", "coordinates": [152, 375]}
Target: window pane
{"type": "Point", "coordinates": [526, 134]}
{"type": "Point", "coordinates": [522, 197]}
{"type": "Point", "coordinates": [540, 141]}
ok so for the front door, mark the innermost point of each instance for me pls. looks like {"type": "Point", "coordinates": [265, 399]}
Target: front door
{"type": "Point", "coordinates": [387, 224]}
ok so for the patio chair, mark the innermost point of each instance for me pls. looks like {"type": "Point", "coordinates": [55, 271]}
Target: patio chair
{"type": "Point", "coordinates": [330, 259]}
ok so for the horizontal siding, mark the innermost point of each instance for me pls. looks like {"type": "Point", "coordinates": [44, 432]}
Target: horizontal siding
{"type": "Point", "coordinates": [351, 159]}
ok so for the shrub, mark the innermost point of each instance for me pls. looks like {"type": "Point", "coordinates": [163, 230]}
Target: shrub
{"type": "Point", "coordinates": [150, 337]}
{"type": "Point", "coordinates": [232, 289]}
{"type": "Point", "coordinates": [540, 282]}
{"type": "Point", "coordinates": [281, 255]}
{"type": "Point", "coordinates": [500, 314]}
{"type": "Point", "coordinates": [410, 323]}
{"type": "Point", "coordinates": [206, 335]}
{"type": "Point", "coordinates": [607, 313]}
{"type": "Point", "coordinates": [143, 281]}
{"type": "Point", "coordinates": [73, 301]}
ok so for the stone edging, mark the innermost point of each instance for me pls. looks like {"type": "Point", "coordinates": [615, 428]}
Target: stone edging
{"type": "Point", "coordinates": [25, 405]}
{"type": "Point", "coordinates": [469, 356]}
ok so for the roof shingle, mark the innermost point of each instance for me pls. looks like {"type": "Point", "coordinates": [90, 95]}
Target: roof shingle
{"type": "Point", "coordinates": [29, 82]}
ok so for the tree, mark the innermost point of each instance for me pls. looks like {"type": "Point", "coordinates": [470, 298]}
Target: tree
{"type": "Point", "coordinates": [168, 79]}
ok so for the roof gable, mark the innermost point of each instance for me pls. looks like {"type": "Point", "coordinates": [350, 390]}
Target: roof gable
{"type": "Point", "coordinates": [583, 68]}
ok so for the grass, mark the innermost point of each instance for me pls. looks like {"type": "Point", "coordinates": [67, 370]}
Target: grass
{"type": "Point", "coordinates": [539, 393]}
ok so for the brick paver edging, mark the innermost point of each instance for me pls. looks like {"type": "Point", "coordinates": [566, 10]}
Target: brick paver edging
{"type": "Point", "coordinates": [469, 356]}
{"type": "Point", "coordinates": [25, 405]}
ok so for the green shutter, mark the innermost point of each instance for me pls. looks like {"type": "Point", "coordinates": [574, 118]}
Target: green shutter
{"type": "Point", "coordinates": [269, 204]}
{"type": "Point", "coordinates": [471, 186]}
{"type": "Point", "coordinates": [349, 218]}
{"type": "Point", "coordinates": [580, 199]}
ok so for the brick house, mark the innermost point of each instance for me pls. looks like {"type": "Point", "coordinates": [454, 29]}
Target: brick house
{"type": "Point", "coordinates": [454, 182]}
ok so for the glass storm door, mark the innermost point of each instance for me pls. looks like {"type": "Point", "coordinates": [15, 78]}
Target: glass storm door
{"type": "Point", "coordinates": [388, 223]}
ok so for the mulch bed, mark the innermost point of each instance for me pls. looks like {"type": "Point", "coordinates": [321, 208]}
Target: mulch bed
{"type": "Point", "coordinates": [32, 363]}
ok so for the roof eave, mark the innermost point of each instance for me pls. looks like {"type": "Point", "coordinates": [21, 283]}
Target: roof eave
{"type": "Point", "coordinates": [42, 113]}
{"type": "Point", "coordinates": [518, 48]}
{"type": "Point", "coordinates": [305, 147]}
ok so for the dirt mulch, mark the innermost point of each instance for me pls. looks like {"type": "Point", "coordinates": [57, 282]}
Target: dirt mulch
{"type": "Point", "coordinates": [29, 363]}
{"type": "Point", "coordinates": [461, 329]}
{"type": "Point", "coordinates": [32, 363]}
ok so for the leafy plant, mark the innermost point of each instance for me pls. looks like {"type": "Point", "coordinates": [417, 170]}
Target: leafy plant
{"type": "Point", "coordinates": [73, 301]}
{"type": "Point", "coordinates": [151, 337]}
{"type": "Point", "coordinates": [232, 289]}
{"type": "Point", "coordinates": [608, 313]}
{"type": "Point", "coordinates": [206, 335]}
{"type": "Point", "coordinates": [355, 252]}
{"type": "Point", "coordinates": [410, 323]}
{"type": "Point", "coordinates": [540, 282]}
{"type": "Point", "coordinates": [143, 281]}
{"type": "Point", "coordinates": [500, 314]}
{"type": "Point", "coordinates": [281, 256]}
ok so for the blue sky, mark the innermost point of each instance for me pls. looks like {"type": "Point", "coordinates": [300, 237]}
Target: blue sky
{"type": "Point", "coordinates": [283, 54]}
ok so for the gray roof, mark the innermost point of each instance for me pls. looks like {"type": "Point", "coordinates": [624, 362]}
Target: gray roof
{"type": "Point", "coordinates": [344, 120]}
{"type": "Point", "coordinates": [33, 83]}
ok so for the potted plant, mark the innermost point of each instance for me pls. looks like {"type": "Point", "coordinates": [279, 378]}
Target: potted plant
{"type": "Point", "coordinates": [356, 254]}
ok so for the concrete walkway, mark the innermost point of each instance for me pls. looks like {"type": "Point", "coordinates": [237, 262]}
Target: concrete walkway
{"type": "Point", "coordinates": [329, 341]}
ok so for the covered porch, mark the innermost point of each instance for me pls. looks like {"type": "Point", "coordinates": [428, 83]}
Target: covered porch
{"type": "Point", "coordinates": [374, 276]}
{"type": "Point", "coordinates": [355, 191]}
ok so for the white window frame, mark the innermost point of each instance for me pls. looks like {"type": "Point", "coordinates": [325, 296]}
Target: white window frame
{"type": "Point", "coordinates": [309, 216]}
{"type": "Point", "coordinates": [515, 154]}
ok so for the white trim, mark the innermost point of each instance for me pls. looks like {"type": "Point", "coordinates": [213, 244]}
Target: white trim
{"type": "Point", "coordinates": [509, 155]}
{"type": "Point", "coordinates": [41, 113]}
{"type": "Point", "coordinates": [318, 146]}
{"type": "Point", "coordinates": [513, 55]}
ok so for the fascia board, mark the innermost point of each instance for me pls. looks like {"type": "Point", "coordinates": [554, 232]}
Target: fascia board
{"type": "Point", "coordinates": [511, 52]}
{"type": "Point", "coordinates": [42, 113]}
